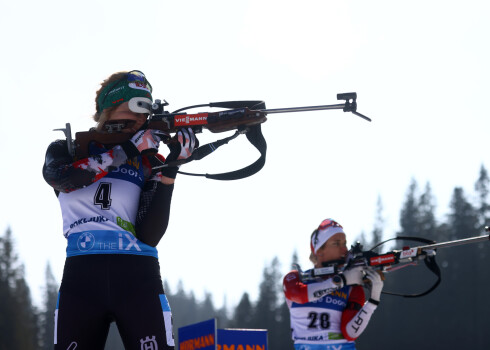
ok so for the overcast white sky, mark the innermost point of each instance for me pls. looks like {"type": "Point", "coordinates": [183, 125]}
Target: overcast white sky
{"type": "Point", "coordinates": [420, 70]}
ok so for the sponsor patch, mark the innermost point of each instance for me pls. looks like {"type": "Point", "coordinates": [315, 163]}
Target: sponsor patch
{"type": "Point", "coordinates": [86, 241]}
{"type": "Point", "coordinates": [195, 119]}
{"type": "Point", "coordinates": [408, 253]}
{"type": "Point", "coordinates": [382, 259]}
{"type": "Point", "coordinates": [139, 85]}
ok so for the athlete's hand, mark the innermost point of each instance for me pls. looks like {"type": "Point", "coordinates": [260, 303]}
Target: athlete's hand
{"type": "Point", "coordinates": [146, 140]}
{"type": "Point", "coordinates": [353, 275]}
{"type": "Point", "coordinates": [143, 141]}
{"type": "Point", "coordinates": [376, 283]}
{"type": "Point", "coordinates": [187, 143]}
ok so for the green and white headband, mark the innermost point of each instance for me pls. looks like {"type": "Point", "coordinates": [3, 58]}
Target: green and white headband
{"type": "Point", "coordinates": [133, 86]}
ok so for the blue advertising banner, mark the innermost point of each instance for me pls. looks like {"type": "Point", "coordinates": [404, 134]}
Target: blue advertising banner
{"type": "Point", "coordinates": [242, 339]}
{"type": "Point", "coordinates": [198, 336]}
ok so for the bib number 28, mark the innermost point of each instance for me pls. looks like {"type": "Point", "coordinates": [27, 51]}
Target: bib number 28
{"type": "Point", "coordinates": [319, 320]}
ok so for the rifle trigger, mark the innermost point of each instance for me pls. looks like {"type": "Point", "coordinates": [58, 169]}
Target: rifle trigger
{"type": "Point", "coordinates": [243, 131]}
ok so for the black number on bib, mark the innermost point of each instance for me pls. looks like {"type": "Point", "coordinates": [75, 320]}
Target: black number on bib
{"type": "Point", "coordinates": [322, 320]}
{"type": "Point", "coordinates": [103, 195]}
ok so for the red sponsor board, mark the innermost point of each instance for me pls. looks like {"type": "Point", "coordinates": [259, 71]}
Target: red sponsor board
{"type": "Point", "coordinates": [191, 119]}
{"type": "Point", "coordinates": [382, 259]}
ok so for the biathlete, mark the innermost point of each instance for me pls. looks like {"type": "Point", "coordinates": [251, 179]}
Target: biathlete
{"type": "Point", "coordinates": [115, 210]}
{"type": "Point", "coordinates": [330, 314]}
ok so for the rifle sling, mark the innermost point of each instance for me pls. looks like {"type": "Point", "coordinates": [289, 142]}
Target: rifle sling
{"type": "Point", "coordinates": [430, 262]}
{"type": "Point", "coordinates": [254, 136]}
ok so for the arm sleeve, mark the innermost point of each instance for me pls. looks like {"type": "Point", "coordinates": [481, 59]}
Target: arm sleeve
{"type": "Point", "coordinates": [154, 212]}
{"type": "Point", "coordinates": [65, 175]}
{"type": "Point", "coordinates": [357, 314]}
{"type": "Point", "coordinates": [301, 293]}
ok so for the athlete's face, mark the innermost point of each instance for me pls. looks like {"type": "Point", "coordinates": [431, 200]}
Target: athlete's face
{"type": "Point", "coordinates": [333, 249]}
{"type": "Point", "coordinates": [123, 114]}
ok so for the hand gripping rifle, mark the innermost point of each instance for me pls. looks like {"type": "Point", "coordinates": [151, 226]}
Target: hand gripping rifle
{"type": "Point", "coordinates": [243, 116]}
{"type": "Point", "coordinates": [390, 261]}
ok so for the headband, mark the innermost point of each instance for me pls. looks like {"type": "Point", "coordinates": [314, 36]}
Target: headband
{"type": "Point", "coordinates": [133, 84]}
{"type": "Point", "coordinates": [323, 233]}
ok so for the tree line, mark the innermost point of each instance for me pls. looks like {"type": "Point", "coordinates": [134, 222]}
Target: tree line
{"type": "Point", "coordinates": [451, 317]}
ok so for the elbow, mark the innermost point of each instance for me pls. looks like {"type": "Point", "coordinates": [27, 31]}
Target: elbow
{"type": "Point", "coordinates": [152, 242]}
{"type": "Point", "coordinates": [294, 290]}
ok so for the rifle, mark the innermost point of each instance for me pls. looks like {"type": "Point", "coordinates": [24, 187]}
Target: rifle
{"type": "Point", "coordinates": [243, 116]}
{"type": "Point", "coordinates": [390, 261]}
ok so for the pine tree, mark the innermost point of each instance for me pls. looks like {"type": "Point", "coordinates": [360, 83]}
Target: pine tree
{"type": "Point", "coordinates": [266, 315]}
{"type": "Point", "coordinates": [481, 254]}
{"type": "Point", "coordinates": [243, 315]}
{"type": "Point", "coordinates": [460, 279]}
{"type": "Point", "coordinates": [377, 234]}
{"type": "Point", "coordinates": [294, 259]}
{"type": "Point", "coordinates": [19, 318]}
{"type": "Point", "coordinates": [47, 315]}
{"type": "Point", "coordinates": [268, 296]}
{"type": "Point", "coordinates": [463, 218]}
{"type": "Point", "coordinates": [282, 335]}
{"type": "Point", "coordinates": [6, 307]}
{"type": "Point", "coordinates": [482, 188]}
{"type": "Point", "coordinates": [409, 215]}
{"type": "Point", "coordinates": [184, 308]}
{"type": "Point", "coordinates": [206, 309]}
{"type": "Point", "coordinates": [427, 218]}
{"type": "Point", "coordinates": [222, 315]}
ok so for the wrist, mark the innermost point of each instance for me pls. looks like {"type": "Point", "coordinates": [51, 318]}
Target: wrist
{"type": "Point", "coordinates": [167, 180]}
{"type": "Point", "coordinates": [376, 296]}
{"type": "Point", "coordinates": [170, 172]}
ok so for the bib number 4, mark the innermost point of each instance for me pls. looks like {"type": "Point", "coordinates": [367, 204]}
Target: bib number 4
{"type": "Point", "coordinates": [103, 196]}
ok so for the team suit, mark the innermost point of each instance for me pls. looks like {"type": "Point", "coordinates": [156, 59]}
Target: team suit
{"type": "Point", "coordinates": [324, 317]}
{"type": "Point", "coordinates": [115, 211]}
{"type": "Point", "coordinates": [330, 313]}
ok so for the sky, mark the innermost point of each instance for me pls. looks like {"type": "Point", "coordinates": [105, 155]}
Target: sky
{"type": "Point", "coordinates": [419, 68]}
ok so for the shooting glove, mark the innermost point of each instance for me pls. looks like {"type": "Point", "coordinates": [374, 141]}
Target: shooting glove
{"type": "Point", "coordinates": [353, 276]}
{"type": "Point", "coordinates": [143, 141]}
{"type": "Point", "coordinates": [187, 143]}
{"type": "Point", "coordinates": [376, 283]}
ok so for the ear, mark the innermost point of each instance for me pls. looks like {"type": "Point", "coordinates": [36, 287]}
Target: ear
{"type": "Point", "coordinates": [313, 258]}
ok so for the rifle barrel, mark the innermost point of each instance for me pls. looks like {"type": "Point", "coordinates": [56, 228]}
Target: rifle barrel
{"type": "Point", "coordinates": [456, 242]}
{"type": "Point", "coordinates": [302, 109]}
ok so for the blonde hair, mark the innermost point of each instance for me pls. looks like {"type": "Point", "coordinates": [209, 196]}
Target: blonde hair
{"type": "Point", "coordinates": [100, 117]}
